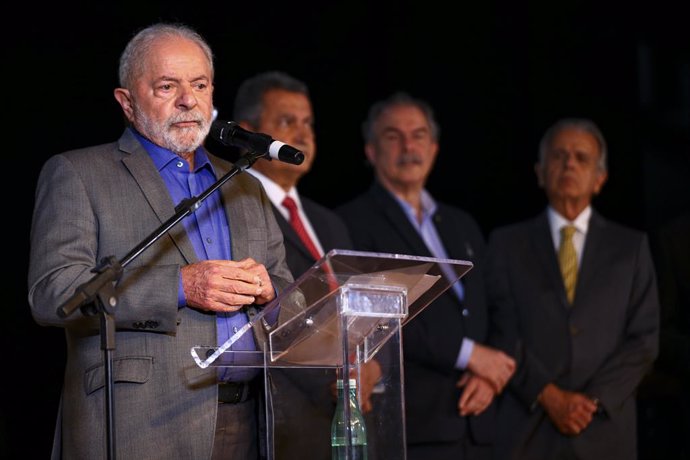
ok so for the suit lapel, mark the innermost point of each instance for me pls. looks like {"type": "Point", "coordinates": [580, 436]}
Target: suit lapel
{"type": "Point", "coordinates": [457, 245]}
{"type": "Point", "coordinates": [593, 255]}
{"type": "Point", "coordinates": [289, 234]}
{"type": "Point", "coordinates": [139, 164]}
{"type": "Point", "coordinates": [546, 255]}
{"type": "Point", "coordinates": [399, 221]}
{"type": "Point", "coordinates": [326, 238]}
{"type": "Point", "coordinates": [238, 216]}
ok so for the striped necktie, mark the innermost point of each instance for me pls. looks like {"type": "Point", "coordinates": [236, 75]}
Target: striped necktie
{"type": "Point", "coordinates": [567, 260]}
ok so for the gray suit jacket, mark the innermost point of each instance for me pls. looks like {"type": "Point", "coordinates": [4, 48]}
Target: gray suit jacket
{"type": "Point", "coordinates": [102, 201]}
{"type": "Point", "coordinates": [601, 346]}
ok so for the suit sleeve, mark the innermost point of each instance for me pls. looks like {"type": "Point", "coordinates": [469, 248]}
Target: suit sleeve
{"type": "Point", "coordinates": [531, 374]}
{"type": "Point", "coordinates": [622, 372]}
{"type": "Point", "coordinates": [503, 333]}
{"type": "Point", "coordinates": [69, 230]}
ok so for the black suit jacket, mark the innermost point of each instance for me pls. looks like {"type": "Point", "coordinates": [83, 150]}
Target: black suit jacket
{"type": "Point", "coordinates": [601, 346]}
{"type": "Point", "coordinates": [432, 339]}
{"type": "Point", "coordinates": [305, 405]}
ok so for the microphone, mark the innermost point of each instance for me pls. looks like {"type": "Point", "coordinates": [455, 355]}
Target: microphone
{"type": "Point", "coordinates": [231, 133]}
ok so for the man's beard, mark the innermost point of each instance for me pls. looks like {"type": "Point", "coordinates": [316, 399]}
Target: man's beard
{"type": "Point", "coordinates": [177, 140]}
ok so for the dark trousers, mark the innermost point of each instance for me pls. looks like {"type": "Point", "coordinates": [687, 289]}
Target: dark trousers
{"type": "Point", "coordinates": [236, 432]}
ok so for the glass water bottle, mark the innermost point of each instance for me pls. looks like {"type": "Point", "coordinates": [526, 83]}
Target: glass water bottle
{"type": "Point", "coordinates": [339, 426]}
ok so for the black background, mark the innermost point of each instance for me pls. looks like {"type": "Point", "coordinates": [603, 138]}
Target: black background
{"type": "Point", "coordinates": [497, 74]}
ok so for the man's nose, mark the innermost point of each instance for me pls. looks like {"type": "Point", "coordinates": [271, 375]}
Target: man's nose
{"type": "Point", "coordinates": [186, 98]}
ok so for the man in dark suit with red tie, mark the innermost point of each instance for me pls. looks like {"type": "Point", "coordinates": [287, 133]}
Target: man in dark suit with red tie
{"type": "Point", "coordinates": [278, 104]}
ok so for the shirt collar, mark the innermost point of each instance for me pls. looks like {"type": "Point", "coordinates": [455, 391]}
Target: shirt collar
{"type": "Point", "coordinates": [556, 221]}
{"type": "Point", "coordinates": [427, 202]}
{"type": "Point", "coordinates": [274, 191]}
{"type": "Point", "coordinates": [162, 157]}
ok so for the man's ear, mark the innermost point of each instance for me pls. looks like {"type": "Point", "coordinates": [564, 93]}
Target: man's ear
{"type": "Point", "coordinates": [600, 181]}
{"type": "Point", "coordinates": [370, 152]}
{"type": "Point", "coordinates": [124, 98]}
{"type": "Point", "coordinates": [539, 171]}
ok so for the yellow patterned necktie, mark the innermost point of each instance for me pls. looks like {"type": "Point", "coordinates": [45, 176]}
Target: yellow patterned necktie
{"type": "Point", "coordinates": [567, 259]}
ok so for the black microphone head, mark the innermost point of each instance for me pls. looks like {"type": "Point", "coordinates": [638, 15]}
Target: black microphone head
{"type": "Point", "coordinates": [286, 153]}
{"type": "Point", "coordinates": [223, 131]}
{"type": "Point", "coordinates": [298, 157]}
{"type": "Point", "coordinates": [232, 134]}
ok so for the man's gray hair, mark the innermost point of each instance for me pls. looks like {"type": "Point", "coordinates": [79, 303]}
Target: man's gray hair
{"type": "Point", "coordinates": [133, 57]}
{"type": "Point", "coordinates": [582, 124]}
{"type": "Point", "coordinates": [399, 99]}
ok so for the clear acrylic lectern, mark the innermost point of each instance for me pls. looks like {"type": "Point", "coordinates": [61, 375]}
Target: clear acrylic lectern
{"type": "Point", "coordinates": [339, 315]}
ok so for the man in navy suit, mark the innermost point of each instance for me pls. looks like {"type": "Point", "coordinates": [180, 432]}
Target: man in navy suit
{"type": "Point", "coordinates": [450, 377]}
{"type": "Point", "coordinates": [581, 358]}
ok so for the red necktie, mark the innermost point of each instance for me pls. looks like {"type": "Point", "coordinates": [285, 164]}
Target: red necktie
{"type": "Point", "coordinates": [298, 226]}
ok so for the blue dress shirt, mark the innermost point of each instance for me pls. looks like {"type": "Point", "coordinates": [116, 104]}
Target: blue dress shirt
{"type": "Point", "coordinates": [208, 231]}
{"type": "Point", "coordinates": [427, 231]}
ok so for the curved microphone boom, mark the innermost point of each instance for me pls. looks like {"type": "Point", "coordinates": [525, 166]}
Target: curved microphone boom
{"type": "Point", "coordinates": [231, 133]}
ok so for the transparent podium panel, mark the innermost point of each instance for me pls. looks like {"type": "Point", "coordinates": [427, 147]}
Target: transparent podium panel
{"type": "Point", "coordinates": [301, 406]}
{"type": "Point", "coordinates": [343, 317]}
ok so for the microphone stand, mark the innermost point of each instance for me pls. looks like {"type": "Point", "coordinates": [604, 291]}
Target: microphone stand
{"type": "Point", "coordinates": [98, 295]}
